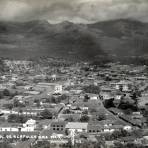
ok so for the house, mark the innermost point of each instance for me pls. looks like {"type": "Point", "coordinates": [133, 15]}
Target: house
{"type": "Point", "coordinates": [18, 135]}
{"type": "Point", "coordinates": [32, 92]}
{"type": "Point", "coordinates": [51, 88]}
{"type": "Point", "coordinates": [128, 139]}
{"type": "Point", "coordinates": [18, 97]}
{"type": "Point", "coordinates": [116, 111]}
{"type": "Point", "coordinates": [58, 138]}
{"type": "Point", "coordinates": [44, 124]}
{"type": "Point", "coordinates": [28, 87]}
{"type": "Point", "coordinates": [70, 112]}
{"type": "Point", "coordinates": [122, 85]}
{"type": "Point", "coordinates": [7, 85]}
{"type": "Point", "coordinates": [109, 144]}
{"type": "Point", "coordinates": [26, 112]}
{"type": "Point", "coordinates": [92, 96]}
{"type": "Point", "coordinates": [58, 126]}
{"type": "Point", "coordinates": [76, 127]}
{"type": "Point", "coordinates": [141, 78]}
{"type": "Point", "coordinates": [106, 95]}
{"type": "Point", "coordinates": [137, 115]}
{"type": "Point", "coordinates": [93, 128]}
{"type": "Point", "coordinates": [127, 127]}
{"type": "Point", "coordinates": [30, 125]}
{"type": "Point", "coordinates": [9, 127]}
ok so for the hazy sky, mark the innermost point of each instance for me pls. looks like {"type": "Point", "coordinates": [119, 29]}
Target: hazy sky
{"type": "Point", "coordinates": [81, 11]}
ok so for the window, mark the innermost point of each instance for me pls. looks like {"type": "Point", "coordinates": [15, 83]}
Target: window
{"type": "Point", "coordinates": [57, 129]}
{"type": "Point", "coordinates": [61, 129]}
{"type": "Point", "coordinates": [90, 131]}
{"type": "Point", "coordinates": [53, 125]}
{"type": "Point", "coordinates": [54, 129]}
{"type": "Point", "coordinates": [57, 125]}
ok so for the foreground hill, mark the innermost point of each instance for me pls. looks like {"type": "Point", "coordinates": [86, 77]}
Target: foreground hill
{"type": "Point", "coordinates": [117, 39]}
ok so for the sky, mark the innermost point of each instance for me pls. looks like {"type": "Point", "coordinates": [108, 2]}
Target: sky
{"type": "Point", "coordinates": [77, 11]}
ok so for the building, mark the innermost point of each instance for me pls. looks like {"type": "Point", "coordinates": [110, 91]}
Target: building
{"type": "Point", "coordinates": [124, 86]}
{"type": "Point", "coordinates": [76, 127]}
{"type": "Point", "coordinates": [51, 88]}
{"type": "Point", "coordinates": [30, 125]}
{"type": "Point", "coordinates": [58, 126]}
{"type": "Point", "coordinates": [94, 128]}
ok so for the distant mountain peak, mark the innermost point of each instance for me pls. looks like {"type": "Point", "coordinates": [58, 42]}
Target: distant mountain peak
{"type": "Point", "coordinates": [79, 41]}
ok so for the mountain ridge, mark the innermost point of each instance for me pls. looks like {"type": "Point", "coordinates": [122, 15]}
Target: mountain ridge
{"type": "Point", "coordinates": [115, 38]}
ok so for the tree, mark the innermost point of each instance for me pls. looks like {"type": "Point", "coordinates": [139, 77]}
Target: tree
{"type": "Point", "coordinates": [22, 119]}
{"type": "Point", "coordinates": [8, 106]}
{"type": "Point", "coordinates": [128, 111]}
{"type": "Point", "coordinates": [17, 118]}
{"type": "Point", "coordinates": [12, 118]}
{"type": "Point", "coordinates": [93, 110]}
{"type": "Point", "coordinates": [92, 89]}
{"type": "Point", "coordinates": [135, 95]}
{"type": "Point", "coordinates": [17, 103]}
{"type": "Point", "coordinates": [85, 112]}
{"type": "Point", "coordinates": [101, 117]}
{"type": "Point", "coordinates": [86, 98]}
{"type": "Point", "coordinates": [63, 97]}
{"type": "Point", "coordinates": [42, 144]}
{"type": "Point", "coordinates": [37, 101]}
{"type": "Point", "coordinates": [1, 95]}
{"type": "Point", "coordinates": [46, 114]}
{"type": "Point", "coordinates": [5, 145]}
{"type": "Point", "coordinates": [118, 145]}
{"type": "Point", "coordinates": [120, 133]}
{"type": "Point", "coordinates": [67, 111]}
{"type": "Point", "coordinates": [84, 118]}
{"type": "Point", "coordinates": [6, 92]}
{"type": "Point", "coordinates": [70, 119]}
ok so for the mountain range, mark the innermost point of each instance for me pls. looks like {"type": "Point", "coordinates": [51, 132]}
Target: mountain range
{"type": "Point", "coordinates": [115, 39]}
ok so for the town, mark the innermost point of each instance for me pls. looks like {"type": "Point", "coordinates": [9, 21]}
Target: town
{"type": "Point", "coordinates": [54, 103]}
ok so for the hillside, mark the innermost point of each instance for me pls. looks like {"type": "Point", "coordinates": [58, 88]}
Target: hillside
{"type": "Point", "coordinates": [116, 39]}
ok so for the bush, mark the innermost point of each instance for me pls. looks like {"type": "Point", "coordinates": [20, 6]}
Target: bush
{"type": "Point", "coordinates": [101, 117]}
{"type": "Point", "coordinates": [6, 92]}
{"type": "Point", "coordinates": [92, 89]}
{"type": "Point", "coordinates": [17, 118]}
{"type": "Point", "coordinates": [8, 106]}
{"type": "Point", "coordinates": [46, 114]}
{"type": "Point", "coordinates": [84, 118]}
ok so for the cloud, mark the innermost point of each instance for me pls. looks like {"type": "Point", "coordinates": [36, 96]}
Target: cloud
{"type": "Point", "coordinates": [13, 10]}
{"type": "Point", "coordinates": [81, 11]}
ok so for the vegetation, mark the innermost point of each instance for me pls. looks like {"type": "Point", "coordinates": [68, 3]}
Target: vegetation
{"type": "Point", "coordinates": [17, 103]}
{"type": "Point", "coordinates": [101, 117]}
{"type": "Point", "coordinates": [56, 99]}
{"type": "Point", "coordinates": [5, 145]}
{"type": "Point", "coordinates": [13, 118]}
{"type": "Point", "coordinates": [42, 144]}
{"type": "Point", "coordinates": [92, 89]}
{"type": "Point", "coordinates": [46, 114]}
{"type": "Point", "coordinates": [84, 118]}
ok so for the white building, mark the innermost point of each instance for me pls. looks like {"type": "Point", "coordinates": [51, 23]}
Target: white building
{"type": "Point", "coordinates": [50, 87]}
{"type": "Point", "coordinates": [76, 126]}
{"type": "Point", "coordinates": [30, 125]}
